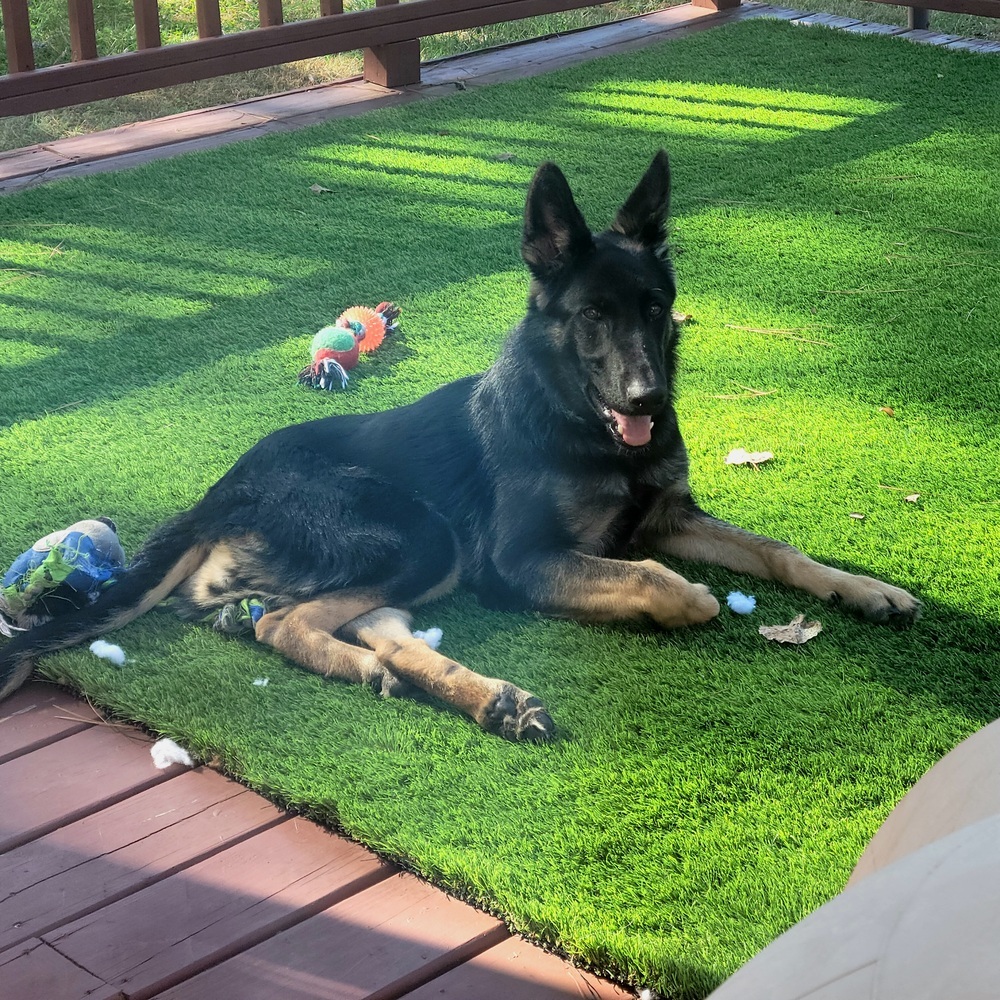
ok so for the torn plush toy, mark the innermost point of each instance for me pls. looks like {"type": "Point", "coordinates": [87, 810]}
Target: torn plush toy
{"type": "Point", "coordinates": [63, 571]}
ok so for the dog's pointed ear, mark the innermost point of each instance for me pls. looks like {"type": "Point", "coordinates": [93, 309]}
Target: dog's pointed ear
{"type": "Point", "coordinates": [643, 217]}
{"type": "Point", "coordinates": [555, 231]}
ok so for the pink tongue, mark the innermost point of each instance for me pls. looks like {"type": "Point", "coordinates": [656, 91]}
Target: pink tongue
{"type": "Point", "coordinates": [635, 431]}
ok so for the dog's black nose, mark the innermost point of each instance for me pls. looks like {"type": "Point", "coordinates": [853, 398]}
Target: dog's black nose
{"type": "Point", "coordinates": [646, 399]}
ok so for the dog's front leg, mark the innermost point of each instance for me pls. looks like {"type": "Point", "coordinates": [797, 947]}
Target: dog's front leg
{"type": "Point", "coordinates": [706, 539]}
{"type": "Point", "coordinates": [569, 584]}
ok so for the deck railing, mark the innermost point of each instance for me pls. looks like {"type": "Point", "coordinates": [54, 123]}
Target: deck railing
{"type": "Point", "coordinates": [389, 33]}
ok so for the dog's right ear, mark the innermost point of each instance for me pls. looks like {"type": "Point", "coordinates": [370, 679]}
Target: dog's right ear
{"type": "Point", "coordinates": [555, 232]}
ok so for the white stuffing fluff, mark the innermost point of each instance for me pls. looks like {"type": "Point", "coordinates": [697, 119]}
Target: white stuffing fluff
{"type": "Point", "coordinates": [742, 604]}
{"type": "Point", "coordinates": [261, 681]}
{"type": "Point", "coordinates": [108, 651]}
{"type": "Point", "coordinates": [166, 752]}
{"type": "Point", "coordinates": [431, 636]}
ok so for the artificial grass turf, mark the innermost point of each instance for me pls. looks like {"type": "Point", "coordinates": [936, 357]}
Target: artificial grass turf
{"type": "Point", "coordinates": [836, 242]}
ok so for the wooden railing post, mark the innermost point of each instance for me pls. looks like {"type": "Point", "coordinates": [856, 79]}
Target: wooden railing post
{"type": "Point", "coordinates": [209, 18]}
{"type": "Point", "coordinates": [17, 28]}
{"type": "Point", "coordinates": [396, 64]}
{"type": "Point", "coordinates": [82, 33]}
{"type": "Point", "coordinates": [271, 13]}
{"type": "Point", "coordinates": [147, 24]}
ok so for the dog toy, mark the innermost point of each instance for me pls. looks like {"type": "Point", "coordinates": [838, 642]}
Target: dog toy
{"type": "Point", "coordinates": [335, 349]}
{"type": "Point", "coordinates": [64, 570]}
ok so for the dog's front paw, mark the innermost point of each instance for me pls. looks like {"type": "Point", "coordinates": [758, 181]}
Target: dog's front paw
{"type": "Point", "coordinates": [675, 603]}
{"type": "Point", "coordinates": [876, 601]}
{"type": "Point", "coordinates": [517, 715]}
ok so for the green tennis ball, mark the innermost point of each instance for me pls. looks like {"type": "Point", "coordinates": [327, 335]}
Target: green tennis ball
{"type": "Point", "coordinates": [333, 338]}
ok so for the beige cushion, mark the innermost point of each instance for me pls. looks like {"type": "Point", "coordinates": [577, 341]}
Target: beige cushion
{"type": "Point", "coordinates": [962, 788]}
{"type": "Point", "coordinates": [924, 928]}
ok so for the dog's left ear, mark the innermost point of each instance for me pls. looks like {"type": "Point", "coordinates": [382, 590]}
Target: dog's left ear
{"type": "Point", "coordinates": [642, 218]}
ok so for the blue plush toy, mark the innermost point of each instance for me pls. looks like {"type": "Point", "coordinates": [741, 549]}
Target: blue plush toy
{"type": "Point", "coordinates": [64, 570]}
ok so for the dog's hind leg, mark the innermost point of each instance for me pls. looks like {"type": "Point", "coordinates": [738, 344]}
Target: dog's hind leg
{"type": "Point", "coordinates": [304, 633]}
{"type": "Point", "coordinates": [497, 705]}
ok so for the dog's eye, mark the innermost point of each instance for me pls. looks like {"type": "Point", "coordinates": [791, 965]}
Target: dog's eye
{"type": "Point", "coordinates": [655, 310]}
{"type": "Point", "coordinates": [592, 313]}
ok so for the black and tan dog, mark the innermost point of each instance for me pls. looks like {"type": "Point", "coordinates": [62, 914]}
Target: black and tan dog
{"type": "Point", "coordinates": [533, 484]}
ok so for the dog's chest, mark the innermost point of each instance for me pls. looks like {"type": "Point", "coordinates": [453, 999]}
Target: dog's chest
{"type": "Point", "coordinates": [597, 512]}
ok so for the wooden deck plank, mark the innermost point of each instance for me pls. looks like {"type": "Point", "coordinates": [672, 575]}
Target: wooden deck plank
{"type": "Point", "coordinates": [874, 28]}
{"type": "Point", "coordinates": [205, 914]}
{"type": "Point", "coordinates": [372, 944]}
{"type": "Point", "coordinates": [826, 20]}
{"type": "Point", "coordinates": [162, 131]}
{"type": "Point", "coordinates": [122, 849]}
{"type": "Point", "coordinates": [516, 970]}
{"type": "Point", "coordinates": [37, 715]}
{"type": "Point", "coordinates": [291, 105]}
{"type": "Point", "coordinates": [36, 971]}
{"type": "Point", "coordinates": [981, 45]}
{"type": "Point", "coordinates": [65, 781]}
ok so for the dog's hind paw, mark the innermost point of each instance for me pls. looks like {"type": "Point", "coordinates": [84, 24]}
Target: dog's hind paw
{"type": "Point", "coordinates": [517, 715]}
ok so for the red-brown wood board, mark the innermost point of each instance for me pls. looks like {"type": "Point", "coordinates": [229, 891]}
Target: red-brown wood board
{"type": "Point", "coordinates": [122, 882]}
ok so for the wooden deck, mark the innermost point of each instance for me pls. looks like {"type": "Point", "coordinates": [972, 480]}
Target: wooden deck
{"type": "Point", "coordinates": [122, 882]}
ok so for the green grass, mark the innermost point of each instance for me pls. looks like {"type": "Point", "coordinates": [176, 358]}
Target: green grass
{"type": "Point", "coordinates": [115, 24]}
{"type": "Point", "coordinates": [707, 788]}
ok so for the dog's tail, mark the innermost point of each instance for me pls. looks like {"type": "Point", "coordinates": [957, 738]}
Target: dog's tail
{"type": "Point", "coordinates": [170, 556]}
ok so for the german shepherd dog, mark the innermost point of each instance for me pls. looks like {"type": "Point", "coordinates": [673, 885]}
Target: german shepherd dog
{"type": "Point", "coordinates": [538, 484]}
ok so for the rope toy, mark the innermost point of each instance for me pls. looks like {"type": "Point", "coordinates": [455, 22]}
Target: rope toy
{"type": "Point", "coordinates": [335, 349]}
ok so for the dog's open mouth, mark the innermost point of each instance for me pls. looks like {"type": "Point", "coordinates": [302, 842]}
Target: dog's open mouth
{"type": "Point", "coordinates": [632, 431]}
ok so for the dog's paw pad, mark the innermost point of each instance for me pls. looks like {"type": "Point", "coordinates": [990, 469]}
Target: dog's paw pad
{"type": "Point", "coordinates": [517, 715]}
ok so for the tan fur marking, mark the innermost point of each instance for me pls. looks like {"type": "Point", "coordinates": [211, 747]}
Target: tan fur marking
{"type": "Point", "coordinates": [387, 632]}
{"type": "Point", "coordinates": [213, 576]}
{"type": "Point", "coordinates": [591, 588]}
{"type": "Point", "coordinates": [173, 578]}
{"type": "Point", "coordinates": [722, 544]}
{"type": "Point", "coordinates": [304, 633]}
{"type": "Point", "coordinates": [497, 705]}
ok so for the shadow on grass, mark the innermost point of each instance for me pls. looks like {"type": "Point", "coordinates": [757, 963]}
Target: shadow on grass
{"type": "Point", "coordinates": [356, 243]}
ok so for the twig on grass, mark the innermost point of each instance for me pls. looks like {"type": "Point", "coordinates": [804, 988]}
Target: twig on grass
{"type": "Point", "coordinates": [954, 232]}
{"type": "Point", "coordinates": [66, 406]}
{"type": "Point", "coordinates": [865, 291]}
{"type": "Point", "coordinates": [748, 393]}
{"type": "Point", "coordinates": [788, 334]}
{"type": "Point", "coordinates": [20, 276]}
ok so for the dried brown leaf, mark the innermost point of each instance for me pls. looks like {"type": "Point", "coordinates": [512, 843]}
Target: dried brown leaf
{"type": "Point", "coordinates": [796, 632]}
{"type": "Point", "coordinates": [887, 410]}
